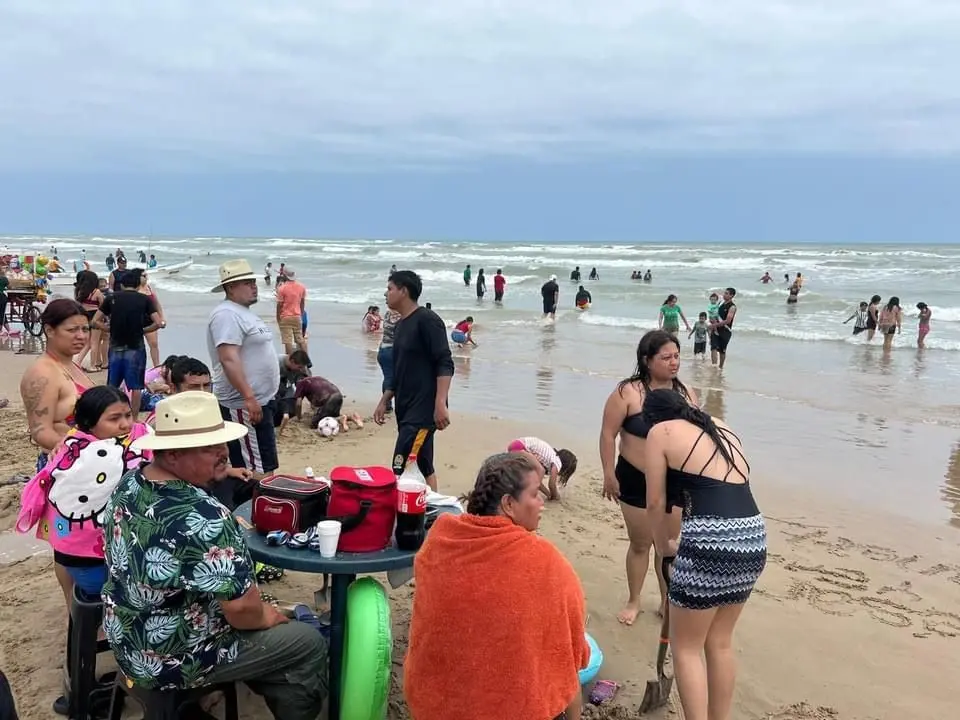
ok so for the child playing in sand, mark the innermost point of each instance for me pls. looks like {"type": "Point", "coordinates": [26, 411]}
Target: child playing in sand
{"type": "Point", "coordinates": [558, 464]}
{"type": "Point", "coordinates": [700, 330]}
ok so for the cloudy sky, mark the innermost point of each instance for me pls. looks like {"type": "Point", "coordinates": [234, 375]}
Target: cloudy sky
{"type": "Point", "coordinates": [741, 119]}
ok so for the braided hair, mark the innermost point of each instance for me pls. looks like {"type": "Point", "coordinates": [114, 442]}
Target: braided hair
{"type": "Point", "coordinates": [650, 344]}
{"type": "Point", "coordinates": [662, 405]}
{"type": "Point", "coordinates": [500, 475]}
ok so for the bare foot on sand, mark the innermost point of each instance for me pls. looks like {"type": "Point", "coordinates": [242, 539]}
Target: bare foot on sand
{"type": "Point", "coordinates": [629, 613]}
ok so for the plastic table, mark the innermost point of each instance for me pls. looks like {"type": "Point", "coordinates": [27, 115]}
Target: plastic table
{"type": "Point", "coordinates": [343, 569]}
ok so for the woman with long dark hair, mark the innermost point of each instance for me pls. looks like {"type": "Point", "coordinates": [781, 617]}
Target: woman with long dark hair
{"type": "Point", "coordinates": [722, 549]}
{"type": "Point", "coordinates": [86, 291]}
{"type": "Point", "coordinates": [873, 316]}
{"type": "Point", "coordinates": [671, 315]}
{"type": "Point", "coordinates": [658, 362]}
{"type": "Point", "coordinates": [890, 321]}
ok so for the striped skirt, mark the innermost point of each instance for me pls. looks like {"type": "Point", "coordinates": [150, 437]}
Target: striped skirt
{"type": "Point", "coordinates": [718, 561]}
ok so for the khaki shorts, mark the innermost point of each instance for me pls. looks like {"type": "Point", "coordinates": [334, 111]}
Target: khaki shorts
{"type": "Point", "coordinates": [291, 331]}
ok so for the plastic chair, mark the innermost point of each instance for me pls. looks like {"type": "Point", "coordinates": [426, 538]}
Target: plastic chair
{"type": "Point", "coordinates": [167, 704]}
{"type": "Point", "coordinates": [86, 617]}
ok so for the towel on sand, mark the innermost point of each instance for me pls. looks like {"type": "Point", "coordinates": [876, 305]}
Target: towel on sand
{"type": "Point", "coordinates": [498, 623]}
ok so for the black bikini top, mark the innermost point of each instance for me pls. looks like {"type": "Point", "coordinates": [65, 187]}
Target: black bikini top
{"type": "Point", "coordinates": [636, 425]}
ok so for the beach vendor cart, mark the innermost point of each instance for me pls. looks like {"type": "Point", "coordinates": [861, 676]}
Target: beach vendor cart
{"type": "Point", "coordinates": [26, 291]}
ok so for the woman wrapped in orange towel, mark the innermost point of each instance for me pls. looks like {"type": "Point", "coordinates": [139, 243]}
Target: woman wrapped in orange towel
{"type": "Point", "coordinates": [483, 644]}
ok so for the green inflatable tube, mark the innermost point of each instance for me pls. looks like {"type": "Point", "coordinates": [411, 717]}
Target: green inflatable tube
{"type": "Point", "coordinates": [367, 652]}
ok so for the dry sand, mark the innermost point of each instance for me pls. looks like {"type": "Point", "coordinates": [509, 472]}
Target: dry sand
{"type": "Point", "coordinates": [854, 619]}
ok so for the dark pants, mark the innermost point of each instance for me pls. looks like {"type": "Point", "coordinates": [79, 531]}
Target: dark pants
{"type": "Point", "coordinates": [385, 361]}
{"type": "Point", "coordinates": [286, 664]}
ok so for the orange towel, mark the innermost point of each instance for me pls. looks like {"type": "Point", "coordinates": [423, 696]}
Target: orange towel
{"type": "Point", "coordinates": [498, 624]}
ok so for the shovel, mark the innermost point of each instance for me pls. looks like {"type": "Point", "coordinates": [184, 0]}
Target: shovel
{"type": "Point", "coordinates": [657, 692]}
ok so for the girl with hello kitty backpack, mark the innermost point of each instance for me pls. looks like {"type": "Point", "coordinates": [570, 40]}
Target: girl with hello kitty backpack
{"type": "Point", "coordinates": [66, 500]}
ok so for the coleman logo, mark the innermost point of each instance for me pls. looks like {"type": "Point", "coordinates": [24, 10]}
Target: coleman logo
{"type": "Point", "coordinates": [363, 475]}
{"type": "Point", "coordinates": [274, 510]}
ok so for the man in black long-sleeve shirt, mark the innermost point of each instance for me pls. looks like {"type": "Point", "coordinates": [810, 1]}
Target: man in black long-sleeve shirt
{"type": "Point", "coordinates": [422, 372]}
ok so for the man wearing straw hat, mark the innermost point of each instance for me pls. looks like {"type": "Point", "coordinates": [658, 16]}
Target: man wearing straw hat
{"type": "Point", "coordinates": [181, 604]}
{"type": "Point", "coordinates": [246, 375]}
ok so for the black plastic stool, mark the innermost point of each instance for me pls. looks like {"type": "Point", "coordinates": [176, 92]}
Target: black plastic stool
{"type": "Point", "coordinates": [167, 704]}
{"type": "Point", "coordinates": [86, 617]}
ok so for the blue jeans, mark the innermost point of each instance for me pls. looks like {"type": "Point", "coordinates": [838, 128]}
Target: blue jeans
{"type": "Point", "coordinates": [385, 361]}
{"type": "Point", "coordinates": [127, 366]}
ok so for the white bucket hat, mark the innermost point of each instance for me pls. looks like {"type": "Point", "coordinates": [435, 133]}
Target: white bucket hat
{"type": "Point", "coordinates": [234, 271]}
{"type": "Point", "coordinates": [189, 420]}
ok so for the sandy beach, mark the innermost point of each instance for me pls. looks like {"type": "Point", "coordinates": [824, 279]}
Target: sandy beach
{"type": "Point", "coordinates": [854, 618]}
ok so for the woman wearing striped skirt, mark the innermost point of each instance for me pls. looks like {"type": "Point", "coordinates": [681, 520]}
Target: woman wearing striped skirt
{"type": "Point", "coordinates": [722, 548]}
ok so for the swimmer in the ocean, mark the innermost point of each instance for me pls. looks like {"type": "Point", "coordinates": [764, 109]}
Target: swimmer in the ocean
{"type": "Point", "coordinates": [793, 294]}
{"type": "Point", "coordinates": [462, 334]}
{"type": "Point", "coordinates": [583, 299]}
{"type": "Point", "coordinates": [766, 278]}
{"type": "Point", "coordinates": [648, 276]}
{"type": "Point", "coordinates": [594, 275]}
{"type": "Point", "coordinates": [575, 275]}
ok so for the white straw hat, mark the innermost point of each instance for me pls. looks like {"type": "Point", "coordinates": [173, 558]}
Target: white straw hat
{"type": "Point", "coordinates": [189, 420]}
{"type": "Point", "coordinates": [234, 271]}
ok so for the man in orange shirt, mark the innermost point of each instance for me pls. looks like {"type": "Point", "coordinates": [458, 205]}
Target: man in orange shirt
{"type": "Point", "coordinates": [291, 303]}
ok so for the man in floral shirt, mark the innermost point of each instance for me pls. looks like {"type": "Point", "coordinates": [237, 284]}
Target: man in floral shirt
{"type": "Point", "coordinates": [181, 604]}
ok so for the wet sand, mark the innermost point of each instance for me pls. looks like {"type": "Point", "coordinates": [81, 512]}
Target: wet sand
{"type": "Point", "coordinates": [853, 595]}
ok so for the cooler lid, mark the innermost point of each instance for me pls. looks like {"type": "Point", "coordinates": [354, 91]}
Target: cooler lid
{"type": "Point", "coordinates": [374, 476]}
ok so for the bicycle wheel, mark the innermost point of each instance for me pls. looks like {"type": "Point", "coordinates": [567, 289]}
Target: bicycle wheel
{"type": "Point", "coordinates": [31, 321]}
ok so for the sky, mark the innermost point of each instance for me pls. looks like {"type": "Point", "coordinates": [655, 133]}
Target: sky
{"type": "Point", "coordinates": [762, 120]}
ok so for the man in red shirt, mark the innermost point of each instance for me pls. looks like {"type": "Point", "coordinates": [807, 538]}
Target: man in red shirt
{"type": "Point", "coordinates": [324, 397]}
{"type": "Point", "coordinates": [499, 285]}
{"type": "Point", "coordinates": [291, 304]}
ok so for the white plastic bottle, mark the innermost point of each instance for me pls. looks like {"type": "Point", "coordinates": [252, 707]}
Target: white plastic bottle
{"type": "Point", "coordinates": [308, 473]}
{"type": "Point", "coordinates": [411, 473]}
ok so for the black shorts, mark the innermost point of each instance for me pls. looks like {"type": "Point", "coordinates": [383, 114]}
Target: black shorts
{"type": "Point", "coordinates": [858, 330]}
{"type": "Point", "coordinates": [498, 295]}
{"type": "Point", "coordinates": [285, 406]}
{"type": "Point", "coordinates": [892, 330]}
{"type": "Point", "coordinates": [700, 347]}
{"type": "Point", "coordinates": [713, 341]}
{"type": "Point", "coordinates": [407, 436]}
{"type": "Point", "coordinates": [723, 336]}
{"type": "Point", "coordinates": [633, 486]}
{"type": "Point", "coordinates": [257, 452]}
{"type": "Point", "coordinates": [331, 408]}
{"type": "Point", "coordinates": [549, 307]}
{"type": "Point", "coordinates": [480, 294]}
{"type": "Point", "coordinates": [871, 323]}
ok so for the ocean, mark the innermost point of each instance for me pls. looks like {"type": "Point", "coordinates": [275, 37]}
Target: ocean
{"type": "Point", "coordinates": [825, 407]}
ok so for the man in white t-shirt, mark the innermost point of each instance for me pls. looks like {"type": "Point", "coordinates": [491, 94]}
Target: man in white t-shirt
{"type": "Point", "coordinates": [246, 375]}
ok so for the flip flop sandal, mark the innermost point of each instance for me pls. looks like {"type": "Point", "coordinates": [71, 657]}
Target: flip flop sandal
{"type": "Point", "coordinates": [603, 691]}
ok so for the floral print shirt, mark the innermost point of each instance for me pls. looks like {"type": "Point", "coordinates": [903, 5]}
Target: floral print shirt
{"type": "Point", "coordinates": [173, 552]}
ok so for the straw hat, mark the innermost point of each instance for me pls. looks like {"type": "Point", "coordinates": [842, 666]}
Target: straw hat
{"type": "Point", "coordinates": [189, 420]}
{"type": "Point", "coordinates": [234, 271]}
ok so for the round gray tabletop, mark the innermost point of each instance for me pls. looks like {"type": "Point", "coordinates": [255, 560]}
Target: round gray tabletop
{"type": "Point", "coordinates": [306, 560]}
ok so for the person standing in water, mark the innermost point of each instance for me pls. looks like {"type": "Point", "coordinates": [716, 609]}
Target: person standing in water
{"type": "Point", "coordinates": [499, 285]}
{"type": "Point", "coordinates": [766, 278]}
{"type": "Point", "coordinates": [594, 275]}
{"type": "Point", "coordinates": [268, 273]}
{"type": "Point", "coordinates": [584, 299]}
{"type": "Point", "coordinates": [793, 293]}
{"type": "Point", "coordinates": [467, 274]}
{"type": "Point", "coordinates": [575, 275]}
{"type": "Point", "coordinates": [891, 319]}
{"type": "Point", "coordinates": [481, 284]}
{"type": "Point", "coordinates": [873, 316]}
{"type": "Point", "coordinates": [861, 319]}
{"type": "Point", "coordinates": [923, 323]}
{"type": "Point", "coordinates": [724, 326]}
{"type": "Point", "coordinates": [671, 314]}
{"type": "Point", "coordinates": [550, 292]}
{"type": "Point", "coordinates": [700, 329]}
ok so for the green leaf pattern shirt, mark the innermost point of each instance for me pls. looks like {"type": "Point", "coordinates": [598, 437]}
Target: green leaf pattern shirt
{"type": "Point", "coordinates": [173, 553]}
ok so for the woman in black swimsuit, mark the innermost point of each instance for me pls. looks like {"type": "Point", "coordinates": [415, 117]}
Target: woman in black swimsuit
{"type": "Point", "coordinates": [722, 549]}
{"type": "Point", "coordinates": [658, 361]}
